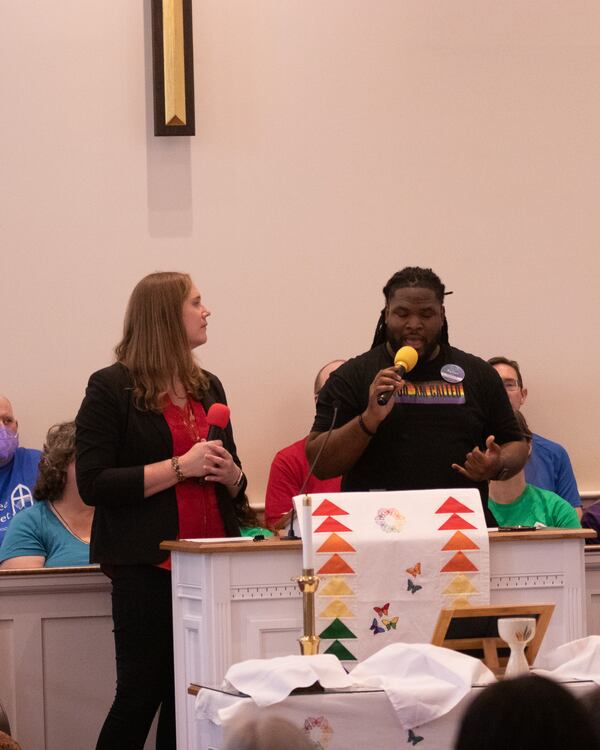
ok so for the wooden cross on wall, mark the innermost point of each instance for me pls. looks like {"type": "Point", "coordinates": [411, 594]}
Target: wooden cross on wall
{"type": "Point", "coordinates": [173, 67]}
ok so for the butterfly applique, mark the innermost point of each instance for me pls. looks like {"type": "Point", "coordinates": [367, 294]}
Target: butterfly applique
{"type": "Point", "coordinates": [391, 623]}
{"type": "Point", "coordinates": [415, 570]}
{"type": "Point", "coordinates": [376, 628]}
{"type": "Point", "coordinates": [383, 610]}
{"type": "Point", "coordinates": [413, 587]}
{"type": "Point", "coordinates": [414, 738]}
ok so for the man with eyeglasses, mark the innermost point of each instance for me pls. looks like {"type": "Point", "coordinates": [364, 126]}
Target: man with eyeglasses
{"type": "Point", "coordinates": [549, 466]}
{"type": "Point", "coordinates": [18, 468]}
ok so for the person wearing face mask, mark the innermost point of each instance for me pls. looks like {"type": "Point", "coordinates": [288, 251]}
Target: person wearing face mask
{"type": "Point", "coordinates": [18, 468]}
{"type": "Point", "coordinates": [55, 533]}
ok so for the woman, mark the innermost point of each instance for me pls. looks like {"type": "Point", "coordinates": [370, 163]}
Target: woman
{"type": "Point", "coordinates": [141, 451]}
{"type": "Point", "coordinates": [56, 532]}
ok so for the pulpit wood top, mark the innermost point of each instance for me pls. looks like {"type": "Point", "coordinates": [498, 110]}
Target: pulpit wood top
{"type": "Point", "coordinates": [274, 544]}
{"type": "Point", "coordinates": [247, 545]}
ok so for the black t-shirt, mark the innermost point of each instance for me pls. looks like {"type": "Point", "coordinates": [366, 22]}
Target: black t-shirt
{"type": "Point", "coordinates": [433, 424]}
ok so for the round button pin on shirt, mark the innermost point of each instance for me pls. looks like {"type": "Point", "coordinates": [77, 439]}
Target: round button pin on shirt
{"type": "Point", "coordinates": [452, 373]}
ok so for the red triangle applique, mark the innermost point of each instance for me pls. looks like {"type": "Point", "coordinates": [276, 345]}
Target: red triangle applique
{"type": "Point", "coordinates": [459, 563]}
{"type": "Point", "coordinates": [458, 540]}
{"type": "Point", "coordinates": [336, 543]}
{"type": "Point", "coordinates": [452, 505]}
{"type": "Point", "coordinates": [330, 524]}
{"type": "Point", "coordinates": [327, 508]}
{"type": "Point", "coordinates": [456, 522]}
{"type": "Point", "coordinates": [336, 564]}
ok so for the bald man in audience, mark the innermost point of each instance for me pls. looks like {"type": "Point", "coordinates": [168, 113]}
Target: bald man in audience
{"type": "Point", "coordinates": [18, 468]}
{"type": "Point", "coordinates": [290, 469]}
{"type": "Point", "coordinates": [549, 465]}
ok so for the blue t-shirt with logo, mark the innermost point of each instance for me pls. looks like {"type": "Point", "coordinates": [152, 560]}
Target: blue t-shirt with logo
{"type": "Point", "coordinates": [17, 480]}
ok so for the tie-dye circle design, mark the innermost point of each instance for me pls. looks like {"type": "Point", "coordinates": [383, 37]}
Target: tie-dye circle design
{"type": "Point", "coordinates": [390, 520]}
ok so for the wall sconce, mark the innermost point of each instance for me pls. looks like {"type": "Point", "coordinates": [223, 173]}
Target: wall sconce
{"type": "Point", "coordinates": [173, 67]}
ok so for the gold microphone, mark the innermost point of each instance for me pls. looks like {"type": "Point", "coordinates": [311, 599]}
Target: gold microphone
{"type": "Point", "coordinates": [404, 361]}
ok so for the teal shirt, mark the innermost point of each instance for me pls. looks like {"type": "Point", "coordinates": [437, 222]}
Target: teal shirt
{"type": "Point", "coordinates": [37, 531]}
{"type": "Point", "coordinates": [536, 505]}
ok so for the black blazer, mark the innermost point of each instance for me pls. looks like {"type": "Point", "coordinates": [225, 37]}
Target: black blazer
{"type": "Point", "coordinates": [114, 442]}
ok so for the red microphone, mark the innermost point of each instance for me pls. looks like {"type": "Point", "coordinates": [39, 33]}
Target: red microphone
{"type": "Point", "coordinates": [218, 419]}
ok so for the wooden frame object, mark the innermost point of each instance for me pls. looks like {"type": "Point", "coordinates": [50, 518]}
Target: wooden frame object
{"type": "Point", "coordinates": [173, 67]}
{"type": "Point", "coordinates": [475, 631]}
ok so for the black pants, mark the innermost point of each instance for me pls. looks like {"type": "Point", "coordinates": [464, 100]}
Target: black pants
{"type": "Point", "coordinates": [143, 620]}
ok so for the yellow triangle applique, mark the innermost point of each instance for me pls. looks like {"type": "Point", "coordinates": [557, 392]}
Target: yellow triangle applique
{"type": "Point", "coordinates": [460, 584]}
{"type": "Point", "coordinates": [337, 609]}
{"type": "Point", "coordinates": [336, 586]}
{"type": "Point", "coordinates": [461, 602]}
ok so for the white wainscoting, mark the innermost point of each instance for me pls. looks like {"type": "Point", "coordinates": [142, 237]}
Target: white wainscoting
{"type": "Point", "coordinates": [56, 647]}
{"type": "Point", "coordinates": [57, 664]}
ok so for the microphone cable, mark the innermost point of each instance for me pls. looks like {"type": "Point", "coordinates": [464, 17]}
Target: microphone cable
{"type": "Point", "coordinates": [291, 535]}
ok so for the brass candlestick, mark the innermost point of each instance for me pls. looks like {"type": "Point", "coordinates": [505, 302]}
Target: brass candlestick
{"type": "Point", "coordinates": [308, 583]}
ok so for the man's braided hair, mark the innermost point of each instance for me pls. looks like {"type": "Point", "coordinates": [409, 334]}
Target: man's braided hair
{"type": "Point", "coordinates": [416, 277]}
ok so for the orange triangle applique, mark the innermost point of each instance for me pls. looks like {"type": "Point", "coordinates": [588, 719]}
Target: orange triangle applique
{"type": "Point", "coordinates": [458, 540]}
{"type": "Point", "coordinates": [459, 563]}
{"type": "Point", "coordinates": [456, 522]}
{"type": "Point", "coordinates": [330, 524]}
{"type": "Point", "coordinates": [336, 564]}
{"type": "Point", "coordinates": [452, 505]}
{"type": "Point", "coordinates": [336, 543]}
{"type": "Point", "coordinates": [327, 508]}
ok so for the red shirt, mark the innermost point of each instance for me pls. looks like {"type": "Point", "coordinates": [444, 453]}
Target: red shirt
{"type": "Point", "coordinates": [197, 507]}
{"type": "Point", "coordinates": [288, 471]}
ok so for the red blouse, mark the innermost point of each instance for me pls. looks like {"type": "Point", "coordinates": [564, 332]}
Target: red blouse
{"type": "Point", "coordinates": [197, 507]}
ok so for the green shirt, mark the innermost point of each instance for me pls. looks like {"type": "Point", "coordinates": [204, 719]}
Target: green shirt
{"type": "Point", "coordinates": [536, 505]}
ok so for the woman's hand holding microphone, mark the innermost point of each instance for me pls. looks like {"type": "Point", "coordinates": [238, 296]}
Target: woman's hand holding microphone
{"type": "Point", "coordinates": [209, 460]}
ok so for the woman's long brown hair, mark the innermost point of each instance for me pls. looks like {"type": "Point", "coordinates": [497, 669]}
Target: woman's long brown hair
{"type": "Point", "coordinates": [154, 347]}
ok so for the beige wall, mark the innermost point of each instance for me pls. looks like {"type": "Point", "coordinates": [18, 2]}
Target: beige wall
{"type": "Point", "coordinates": [336, 142]}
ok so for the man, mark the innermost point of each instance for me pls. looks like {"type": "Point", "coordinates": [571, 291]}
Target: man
{"type": "Point", "coordinates": [514, 502]}
{"type": "Point", "coordinates": [18, 468]}
{"type": "Point", "coordinates": [448, 423]}
{"type": "Point", "coordinates": [290, 469]}
{"type": "Point", "coordinates": [549, 466]}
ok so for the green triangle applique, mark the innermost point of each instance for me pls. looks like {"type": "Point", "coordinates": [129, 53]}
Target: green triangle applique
{"type": "Point", "coordinates": [337, 629]}
{"type": "Point", "coordinates": [338, 649]}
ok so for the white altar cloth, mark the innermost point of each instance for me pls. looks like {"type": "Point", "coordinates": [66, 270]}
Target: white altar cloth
{"type": "Point", "coordinates": [336, 720]}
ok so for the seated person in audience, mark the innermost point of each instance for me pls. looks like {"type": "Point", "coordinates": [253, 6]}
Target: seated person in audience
{"type": "Point", "coordinates": [56, 531]}
{"type": "Point", "coordinates": [7, 742]}
{"type": "Point", "coordinates": [525, 713]}
{"type": "Point", "coordinates": [18, 468]}
{"type": "Point", "coordinates": [514, 502]}
{"type": "Point", "coordinates": [549, 466]}
{"type": "Point", "coordinates": [266, 733]}
{"type": "Point", "coordinates": [290, 469]}
{"type": "Point", "coordinates": [591, 702]}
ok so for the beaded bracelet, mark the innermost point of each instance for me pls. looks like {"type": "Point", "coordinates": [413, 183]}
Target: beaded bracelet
{"type": "Point", "coordinates": [177, 469]}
